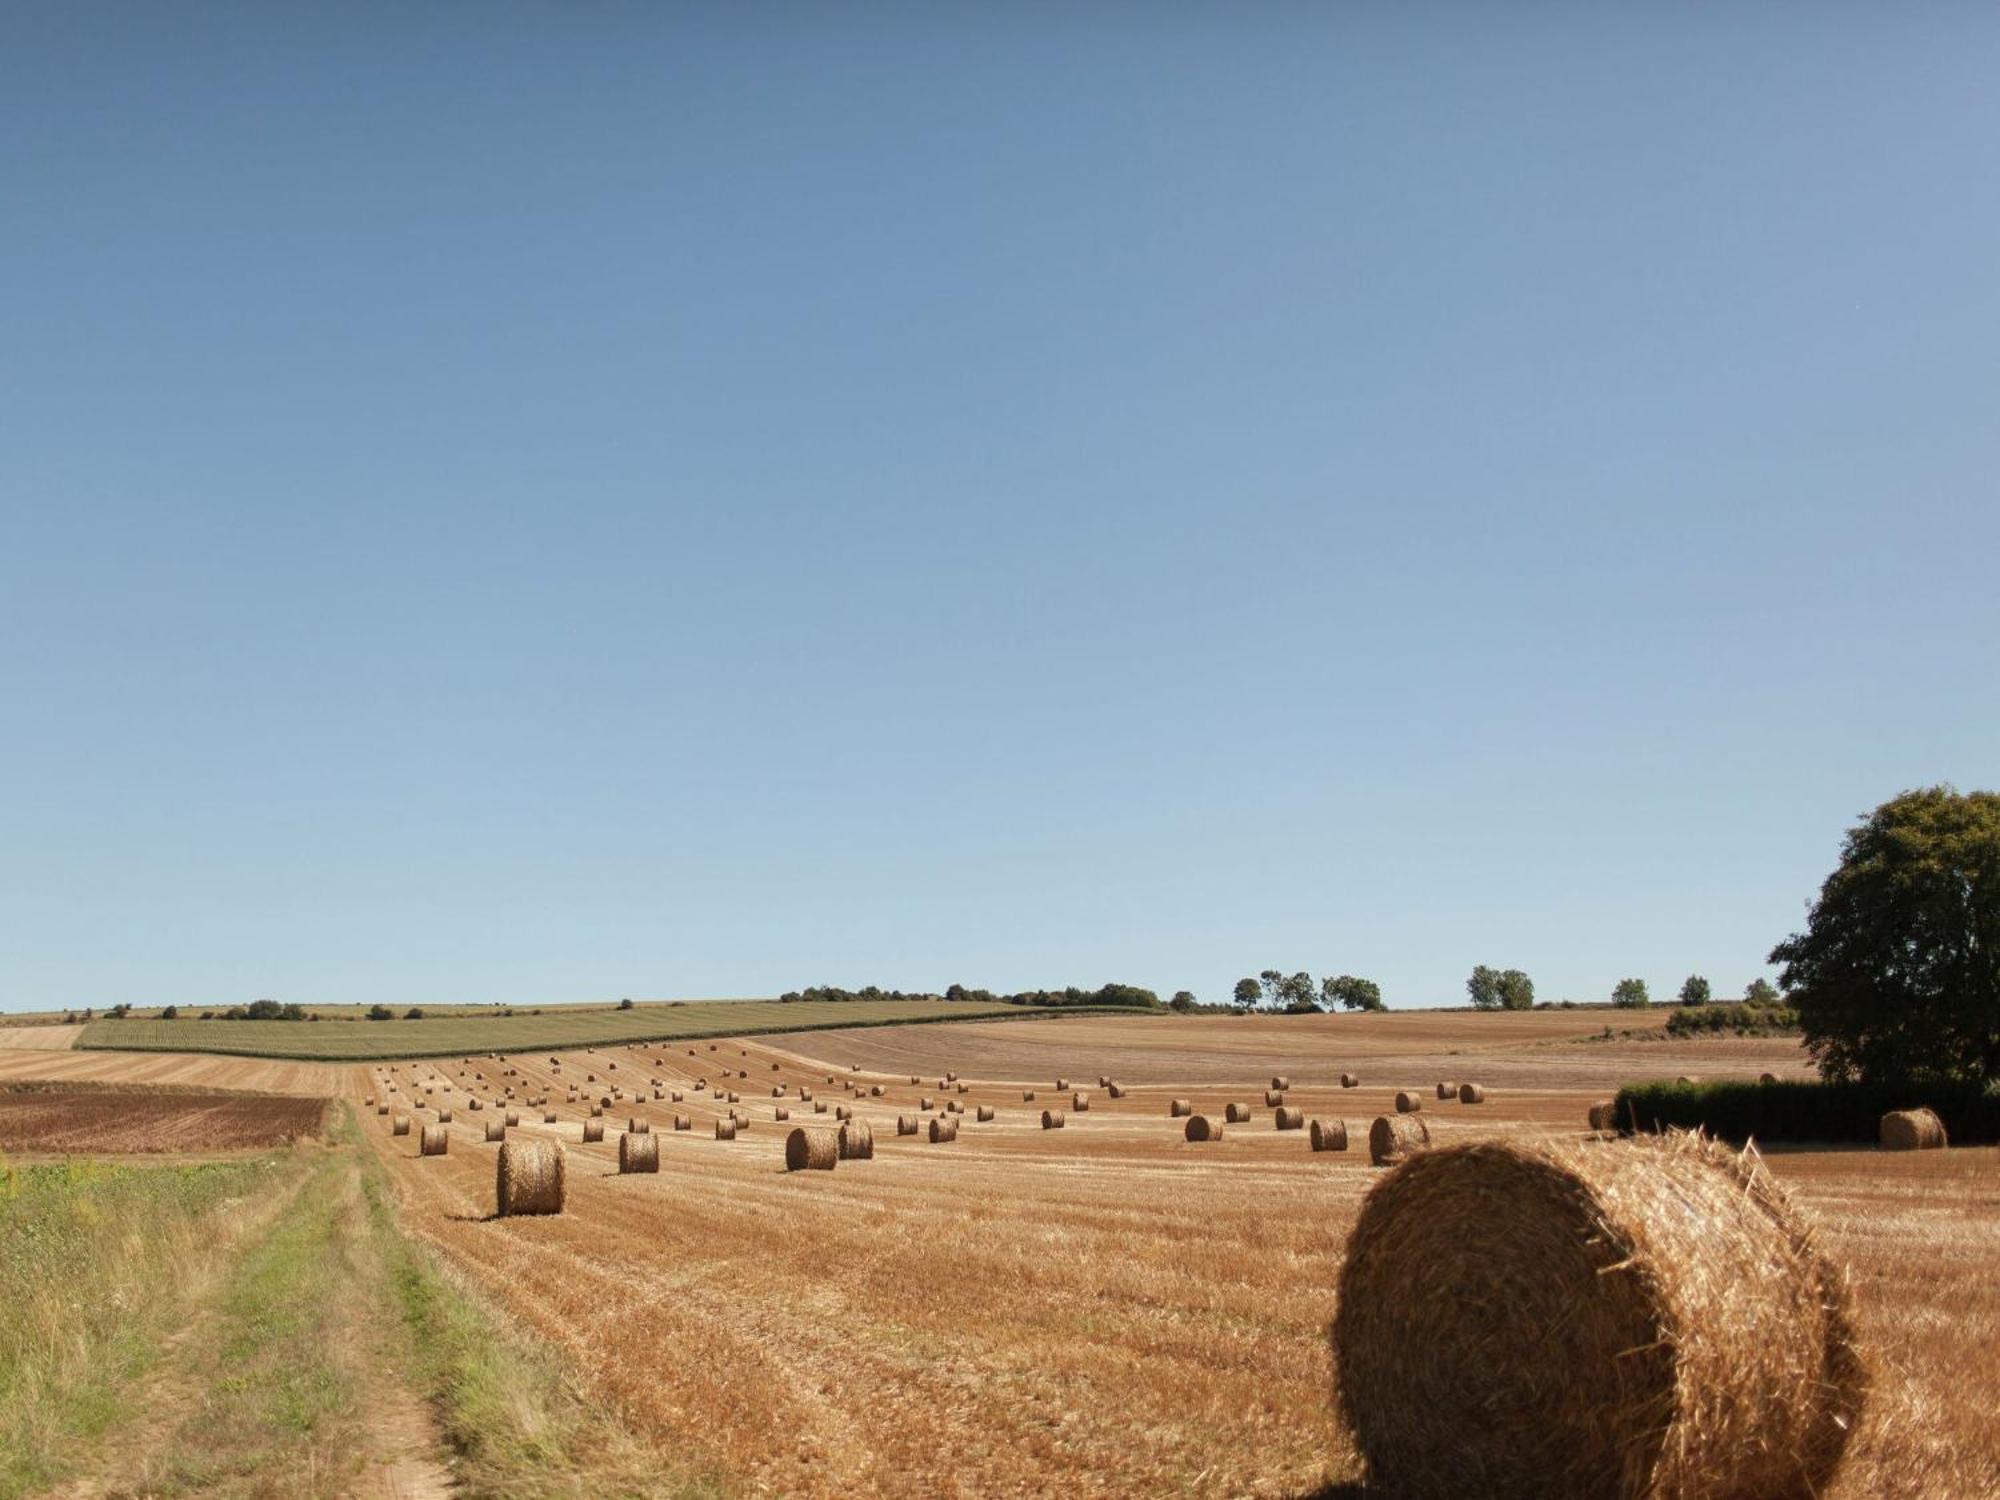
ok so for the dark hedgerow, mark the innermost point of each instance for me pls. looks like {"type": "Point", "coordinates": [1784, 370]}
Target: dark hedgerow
{"type": "Point", "coordinates": [1806, 1110]}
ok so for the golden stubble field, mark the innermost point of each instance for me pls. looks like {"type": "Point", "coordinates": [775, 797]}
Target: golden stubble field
{"type": "Point", "coordinates": [1104, 1309]}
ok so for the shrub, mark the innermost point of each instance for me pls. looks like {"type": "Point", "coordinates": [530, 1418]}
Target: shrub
{"type": "Point", "coordinates": [1743, 1020]}
{"type": "Point", "coordinates": [171, 1013]}
{"type": "Point", "coordinates": [414, 1013]}
{"type": "Point", "coordinates": [626, 1003]}
{"type": "Point", "coordinates": [1809, 1110]}
{"type": "Point", "coordinates": [380, 1013]}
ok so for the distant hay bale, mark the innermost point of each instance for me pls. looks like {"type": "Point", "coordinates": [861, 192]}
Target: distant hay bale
{"type": "Point", "coordinates": [781, 1113]}
{"type": "Point", "coordinates": [1393, 1137]}
{"type": "Point", "coordinates": [1178, 1107]}
{"type": "Point", "coordinates": [811, 1150]}
{"type": "Point", "coordinates": [953, 1106]}
{"type": "Point", "coordinates": [1407, 1102]}
{"type": "Point", "coordinates": [435, 1141]}
{"type": "Point", "coordinates": [593, 1130]}
{"type": "Point", "coordinates": [842, 1112]}
{"type": "Point", "coordinates": [1104, 1080]}
{"type": "Point", "coordinates": [914, 1080]}
{"type": "Point", "coordinates": [805, 1096]}
{"type": "Point", "coordinates": [474, 1104]}
{"type": "Point", "coordinates": [819, 1106]}
{"type": "Point", "coordinates": [742, 1120]}
{"type": "Point", "coordinates": [513, 1117]}
{"type": "Point", "coordinates": [1052, 1119]}
{"type": "Point", "coordinates": [1027, 1096]}
{"type": "Point", "coordinates": [734, 1097]}
{"type": "Point", "coordinates": [683, 1122]}
{"type": "Point", "coordinates": [1447, 1091]}
{"type": "Point", "coordinates": [1290, 1118]}
{"type": "Point", "coordinates": [1329, 1135]}
{"type": "Point", "coordinates": [637, 1126]}
{"type": "Point", "coordinates": [1116, 1091]}
{"type": "Point", "coordinates": [944, 1128]}
{"type": "Point", "coordinates": [596, 1111]}
{"type": "Point", "coordinates": [1236, 1114]}
{"type": "Point", "coordinates": [1273, 1098]}
{"type": "Point", "coordinates": [530, 1177]}
{"type": "Point", "coordinates": [381, 1109]}
{"type": "Point", "coordinates": [907, 1124]}
{"type": "Point", "coordinates": [876, 1091]}
{"type": "Point", "coordinates": [400, 1125]}
{"type": "Point", "coordinates": [777, 1091]}
{"type": "Point", "coordinates": [1604, 1115]}
{"type": "Point", "coordinates": [984, 1113]}
{"type": "Point", "coordinates": [495, 1131]}
{"type": "Point", "coordinates": [638, 1153]}
{"type": "Point", "coordinates": [1280, 1082]}
{"type": "Point", "coordinates": [1913, 1130]}
{"type": "Point", "coordinates": [725, 1130]}
{"type": "Point", "coordinates": [948, 1078]}
{"type": "Point", "coordinates": [1667, 1303]}
{"type": "Point", "coordinates": [1079, 1101]}
{"type": "Point", "coordinates": [962, 1087]}
{"type": "Point", "coordinates": [444, 1117]}
{"type": "Point", "coordinates": [548, 1117]}
{"type": "Point", "coordinates": [857, 1141]}
{"type": "Point", "coordinates": [1471, 1093]}
{"type": "Point", "coordinates": [1688, 1078]}
{"type": "Point", "coordinates": [926, 1103]}
{"type": "Point", "coordinates": [1350, 1080]}
{"type": "Point", "coordinates": [1201, 1128]}
{"type": "Point", "coordinates": [1061, 1085]}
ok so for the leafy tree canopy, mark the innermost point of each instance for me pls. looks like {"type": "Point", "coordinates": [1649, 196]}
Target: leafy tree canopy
{"type": "Point", "coordinates": [1694, 990]}
{"type": "Point", "coordinates": [1630, 994]}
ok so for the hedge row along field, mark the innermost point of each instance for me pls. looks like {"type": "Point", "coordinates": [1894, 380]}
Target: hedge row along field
{"type": "Point", "coordinates": [1806, 1111]}
{"type": "Point", "coordinates": [555, 1029]}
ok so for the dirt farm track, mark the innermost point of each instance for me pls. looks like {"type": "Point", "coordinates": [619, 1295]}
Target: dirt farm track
{"type": "Point", "coordinates": [1104, 1309]}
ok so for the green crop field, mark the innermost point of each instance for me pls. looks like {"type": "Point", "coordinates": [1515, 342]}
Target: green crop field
{"type": "Point", "coordinates": [556, 1027]}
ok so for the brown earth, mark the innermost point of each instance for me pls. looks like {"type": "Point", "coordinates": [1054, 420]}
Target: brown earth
{"type": "Point", "coordinates": [99, 1118]}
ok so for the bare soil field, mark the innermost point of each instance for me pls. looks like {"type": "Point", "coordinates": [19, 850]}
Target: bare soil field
{"type": "Point", "coordinates": [1103, 1309]}
{"type": "Point", "coordinates": [112, 1118]}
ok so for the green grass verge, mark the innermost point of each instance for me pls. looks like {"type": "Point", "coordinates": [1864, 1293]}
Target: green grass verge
{"type": "Point", "coordinates": [555, 1029]}
{"type": "Point", "coordinates": [1806, 1109]}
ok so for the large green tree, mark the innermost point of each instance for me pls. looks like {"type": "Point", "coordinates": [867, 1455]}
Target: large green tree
{"type": "Point", "coordinates": [1351, 992]}
{"type": "Point", "coordinates": [1484, 987]}
{"type": "Point", "coordinates": [1897, 975]}
{"type": "Point", "coordinates": [1517, 990]}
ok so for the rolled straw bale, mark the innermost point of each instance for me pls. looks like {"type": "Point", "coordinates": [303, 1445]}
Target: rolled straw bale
{"type": "Point", "coordinates": [777, 1091]}
{"type": "Point", "coordinates": [1104, 1080]}
{"type": "Point", "coordinates": [1604, 1115]}
{"type": "Point", "coordinates": [857, 1141]}
{"type": "Point", "coordinates": [1280, 1082]}
{"type": "Point", "coordinates": [805, 1096]}
{"type": "Point", "coordinates": [742, 1120]}
{"type": "Point", "coordinates": [774, 1067]}
{"type": "Point", "coordinates": [435, 1141]}
{"type": "Point", "coordinates": [1688, 1078]}
{"type": "Point", "coordinates": [1350, 1080]}
{"type": "Point", "coordinates": [781, 1113]}
{"type": "Point", "coordinates": [638, 1153]}
{"type": "Point", "coordinates": [475, 1104]}
{"type": "Point", "coordinates": [951, 1078]}
{"type": "Point", "coordinates": [1767, 1077]}
{"type": "Point", "coordinates": [1329, 1135]}
{"type": "Point", "coordinates": [1557, 1320]}
{"type": "Point", "coordinates": [381, 1109]}
{"type": "Point", "coordinates": [1079, 1101]}
{"type": "Point", "coordinates": [944, 1128]}
{"type": "Point", "coordinates": [1912, 1130]}
{"type": "Point", "coordinates": [1273, 1098]}
{"type": "Point", "coordinates": [1408, 1102]}
{"type": "Point", "coordinates": [1052, 1119]}
{"type": "Point", "coordinates": [495, 1131]}
{"type": "Point", "coordinates": [811, 1150]}
{"type": "Point", "coordinates": [1447, 1090]}
{"type": "Point", "coordinates": [1027, 1096]}
{"type": "Point", "coordinates": [593, 1130]}
{"type": "Point", "coordinates": [907, 1124]}
{"type": "Point", "coordinates": [1392, 1137]}
{"type": "Point", "coordinates": [1201, 1128]}
{"type": "Point", "coordinates": [530, 1177]}
{"type": "Point", "coordinates": [596, 1111]}
{"type": "Point", "coordinates": [400, 1125]}
{"type": "Point", "coordinates": [1290, 1118]}
{"type": "Point", "coordinates": [1114, 1090]}
{"type": "Point", "coordinates": [1471, 1093]}
{"type": "Point", "coordinates": [682, 1122]}
{"type": "Point", "coordinates": [637, 1126]}
{"type": "Point", "coordinates": [914, 1080]}
{"type": "Point", "coordinates": [548, 1117]}
{"type": "Point", "coordinates": [963, 1087]}
{"type": "Point", "coordinates": [819, 1106]}
{"type": "Point", "coordinates": [954, 1107]}
{"type": "Point", "coordinates": [513, 1117]}
{"type": "Point", "coordinates": [842, 1112]}
{"type": "Point", "coordinates": [1178, 1107]}
{"type": "Point", "coordinates": [725, 1130]}
{"type": "Point", "coordinates": [1236, 1114]}
{"type": "Point", "coordinates": [984, 1113]}
{"type": "Point", "coordinates": [926, 1103]}
{"type": "Point", "coordinates": [444, 1117]}
{"type": "Point", "coordinates": [876, 1090]}
{"type": "Point", "coordinates": [734, 1097]}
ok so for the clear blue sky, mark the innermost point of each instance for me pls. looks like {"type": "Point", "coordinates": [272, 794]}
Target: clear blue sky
{"type": "Point", "coordinates": [551, 502]}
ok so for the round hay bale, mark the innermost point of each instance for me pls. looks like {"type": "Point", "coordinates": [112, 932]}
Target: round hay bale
{"type": "Point", "coordinates": [380, 1109]}
{"type": "Point", "coordinates": [951, 1078]}
{"type": "Point", "coordinates": [548, 1117]}
{"type": "Point", "coordinates": [1912, 1130]}
{"type": "Point", "coordinates": [819, 1106]}
{"type": "Point", "coordinates": [1179, 1107]}
{"type": "Point", "coordinates": [1104, 1080]}
{"type": "Point", "coordinates": [907, 1124]}
{"type": "Point", "coordinates": [1350, 1080]}
{"type": "Point", "coordinates": [742, 1120]}
{"type": "Point", "coordinates": [1688, 1078]}
{"type": "Point", "coordinates": [530, 1177]}
{"type": "Point", "coordinates": [1236, 1114]}
{"type": "Point", "coordinates": [926, 1103]}
{"type": "Point", "coordinates": [444, 1117]}
{"type": "Point", "coordinates": [1604, 1115]}
{"type": "Point", "coordinates": [682, 1122]}
{"type": "Point", "coordinates": [725, 1130]}
{"type": "Point", "coordinates": [593, 1130]}
{"type": "Point", "coordinates": [952, 1106]}
{"type": "Point", "coordinates": [857, 1141]}
{"type": "Point", "coordinates": [1767, 1077]}
{"type": "Point", "coordinates": [1079, 1101]}
{"type": "Point", "coordinates": [474, 1104]}
{"type": "Point", "coordinates": [944, 1128]}
{"type": "Point", "coordinates": [1408, 1103]}
{"type": "Point", "coordinates": [777, 1091]}
{"type": "Point", "coordinates": [513, 1117]}
{"type": "Point", "coordinates": [876, 1091]}
{"type": "Point", "coordinates": [1393, 1137]}
{"type": "Point", "coordinates": [1447, 1091]}
{"type": "Point", "coordinates": [1061, 1084]}
{"type": "Point", "coordinates": [1280, 1082]}
{"type": "Point", "coordinates": [1116, 1091]}
{"type": "Point", "coordinates": [435, 1141]}
{"type": "Point", "coordinates": [637, 1126]}
{"type": "Point", "coordinates": [638, 1153]}
{"type": "Point", "coordinates": [1027, 1096]}
{"type": "Point", "coordinates": [811, 1150]}
{"type": "Point", "coordinates": [1329, 1135]}
{"type": "Point", "coordinates": [1052, 1119]}
{"type": "Point", "coordinates": [984, 1113]}
{"type": "Point", "coordinates": [400, 1125]}
{"type": "Point", "coordinates": [842, 1112]}
{"type": "Point", "coordinates": [781, 1113]}
{"type": "Point", "coordinates": [495, 1131]}
{"type": "Point", "coordinates": [1201, 1128]}
{"type": "Point", "coordinates": [1655, 1321]}
{"type": "Point", "coordinates": [1273, 1098]}
{"type": "Point", "coordinates": [1290, 1118]}
{"type": "Point", "coordinates": [963, 1088]}
{"type": "Point", "coordinates": [1471, 1093]}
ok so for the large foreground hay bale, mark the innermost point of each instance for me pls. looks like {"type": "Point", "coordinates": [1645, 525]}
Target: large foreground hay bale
{"type": "Point", "coordinates": [944, 1128]}
{"type": "Point", "coordinates": [530, 1177]}
{"type": "Point", "coordinates": [593, 1130]}
{"type": "Point", "coordinates": [1408, 1102]}
{"type": "Point", "coordinates": [1290, 1117]}
{"type": "Point", "coordinates": [857, 1141]}
{"type": "Point", "coordinates": [1329, 1135]}
{"type": "Point", "coordinates": [638, 1152]}
{"type": "Point", "coordinates": [1236, 1114]}
{"type": "Point", "coordinates": [1393, 1137]}
{"type": "Point", "coordinates": [435, 1141]}
{"type": "Point", "coordinates": [813, 1149]}
{"type": "Point", "coordinates": [1912, 1130]}
{"type": "Point", "coordinates": [1539, 1320]}
{"type": "Point", "coordinates": [1201, 1128]}
{"type": "Point", "coordinates": [1052, 1119]}
{"type": "Point", "coordinates": [1176, 1108]}
{"type": "Point", "coordinates": [1471, 1093]}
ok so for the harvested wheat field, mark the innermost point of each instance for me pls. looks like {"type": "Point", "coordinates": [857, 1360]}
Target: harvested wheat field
{"type": "Point", "coordinates": [1106, 1309]}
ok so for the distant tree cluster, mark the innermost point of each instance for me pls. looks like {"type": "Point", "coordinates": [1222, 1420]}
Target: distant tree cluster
{"type": "Point", "coordinates": [1129, 995]}
{"type": "Point", "coordinates": [1500, 989]}
{"type": "Point", "coordinates": [262, 1010]}
{"type": "Point", "coordinates": [1300, 994]}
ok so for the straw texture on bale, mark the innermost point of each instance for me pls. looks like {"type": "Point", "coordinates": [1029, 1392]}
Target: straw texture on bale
{"type": "Point", "coordinates": [1079, 1101]}
{"type": "Point", "coordinates": [842, 1112]}
{"type": "Point", "coordinates": [1116, 1091]}
{"type": "Point", "coordinates": [1912, 1130]}
{"type": "Point", "coordinates": [548, 1117]}
{"type": "Point", "coordinates": [444, 1117]}
{"type": "Point", "coordinates": [1236, 1114]}
{"type": "Point", "coordinates": [1604, 1115]}
{"type": "Point", "coordinates": [1471, 1093]}
{"type": "Point", "coordinates": [381, 1109]}
{"type": "Point", "coordinates": [926, 1102]}
{"type": "Point", "coordinates": [811, 1150]}
{"type": "Point", "coordinates": [1393, 1137]}
{"type": "Point", "coordinates": [1290, 1118]}
{"type": "Point", "coordinates": [725, 1130]}
{"type": "Point", "coordinates": [1179, 1107]}
{"type": "Point", "coordinates": [637, 1126]}
{"type": "Point", "coordinates": [944, 1128]}
{"type": "Point", "coordinates": [1329, 1135]}
{"type": "Point", "coordinates": [1350, 1081]}
{"type": "Point", "coordinates": [400, 1125]}
{"type": "Point", "coordinates": [593, 1130]}
{"type": "Point", "coordinates": [682, 1122]}
{"type": "Point", "coordinates": [857, 1141]}
{"type": "Point", "coordinates": [906, 1124]}
{"type": "Point", "coordinates": [1027, 1096]}
{"type": "Point", "coordinates": [530, 1177]}
{"type": "Point", "coordinates": [495, 1131]}
{"type": "Point", "coordinates": [1052, 1119]}
{"type": "Point", "coordinates": [1201, 1128]}
{"type": "Point", "coordinates": [638, 1153]}
{"type": "Point", "coordinates": [1280, 1082]}
{"type": "Point", "coordinates": [985, 1113]}
{"type": "Point", "coordinates": [435, 1141]}
{"type": "Point", "coordinates": [1273, 1098]}
{"type": "Point", "coordinates": [1447, 1090]}
{"type": "Point", "coordinates": [1560, 1320]}
{"type": "Point", "coordinates": [1407, 1102]}
{"type": "Point", "coordinates": [513, 1117]}
{"type": "Point", "coordinates": [781, 1113]}
{"type": "Point", "coordinates": [1767, 1077]}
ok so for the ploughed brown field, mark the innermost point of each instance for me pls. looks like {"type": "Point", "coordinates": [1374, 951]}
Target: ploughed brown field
{"type": "Point", "coordinates": [94, 1118]}
{"type": "Point", "coordinates": [1104, 1309]}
